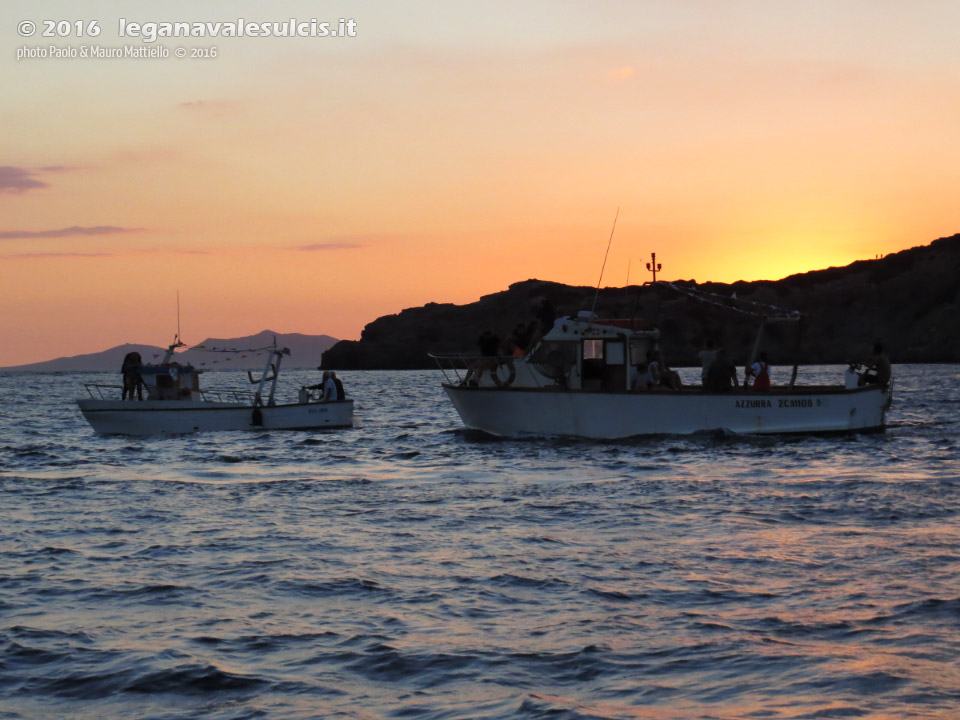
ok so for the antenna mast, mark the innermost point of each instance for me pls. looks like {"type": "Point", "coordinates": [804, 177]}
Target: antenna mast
{"type": "Point", "coordinates": [178, 316]}
{"type": "Point", "coordinates": [597, 293]}
{"type": "Point", "coordinates": [653, 266]}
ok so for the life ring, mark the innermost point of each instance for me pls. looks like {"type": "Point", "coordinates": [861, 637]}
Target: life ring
{"type": "Point", "coordinates": [511, 374]}
{"type": "Point", "coordinates": [174, 373]}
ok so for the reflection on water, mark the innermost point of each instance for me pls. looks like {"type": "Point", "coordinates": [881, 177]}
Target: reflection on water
{"type": "Point", "coordinates": [409, 568]}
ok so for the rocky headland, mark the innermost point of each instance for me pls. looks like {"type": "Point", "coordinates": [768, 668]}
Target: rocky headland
{"type": "Point", "coordinates": [909, 301]}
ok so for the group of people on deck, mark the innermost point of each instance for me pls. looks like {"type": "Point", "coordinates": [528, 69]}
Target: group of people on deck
{"type": "Point", "coordinates": [719, 374]}
{"type": "Point", "coordinates": [654, 375]}
{"type": "Point", "coordinates": [331, 389]}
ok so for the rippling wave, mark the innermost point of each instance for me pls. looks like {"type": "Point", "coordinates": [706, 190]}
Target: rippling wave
{"type": "Point", "coordinates": [408, 568]}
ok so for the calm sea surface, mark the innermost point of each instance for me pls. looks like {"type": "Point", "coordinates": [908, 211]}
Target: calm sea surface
{"type": "Point", "coordinates": [409, 569]}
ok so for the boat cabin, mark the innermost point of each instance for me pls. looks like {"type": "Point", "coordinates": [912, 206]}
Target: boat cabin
{"type": "Point", "coordinates": [581, 353]}
{"type": "Point", "coordinates": [585, 353]}
{"type": "Point", "coordinates": [171, 382]}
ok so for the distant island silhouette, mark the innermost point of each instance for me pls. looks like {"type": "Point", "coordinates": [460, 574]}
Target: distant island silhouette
{"type": "Point", "coordinates": [909, 301]}
{"type": "Point", "coordinates": [305, 352]}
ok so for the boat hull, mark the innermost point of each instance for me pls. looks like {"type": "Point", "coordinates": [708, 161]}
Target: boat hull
{"type": "Point", "coordinates": [117, 417]}
{"type": "Point", "coordinates": [611, 416]}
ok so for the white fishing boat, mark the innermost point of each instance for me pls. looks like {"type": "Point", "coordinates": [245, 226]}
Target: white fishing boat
{"type": "Point", "coordinates": [577, 382]}
{"type": "Point", "coordinates": [175, 404]}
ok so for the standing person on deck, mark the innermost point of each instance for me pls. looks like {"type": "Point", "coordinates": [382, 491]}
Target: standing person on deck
{"type": "Point", "coordinates": [760, 371]}
{"type": "Point", "coordinates": [722, 375]}
{"type": "Point", "coordinates": [132, 381]}
{"type": "Point", "coordinates": [707, 355]}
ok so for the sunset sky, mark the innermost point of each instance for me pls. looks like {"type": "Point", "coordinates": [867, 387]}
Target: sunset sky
{"type": "Point", "coordinates": [451, 148]}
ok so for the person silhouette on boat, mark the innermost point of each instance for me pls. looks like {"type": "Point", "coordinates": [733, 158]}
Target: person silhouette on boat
{"type": "Point", "coordinates": [489, 345]}
{"type": "Point", "coordinates": [132, 380]}
{"type": "Point", "coordinates": [707, 355]}
{"type": "Point", "coordinates": [659, 374]}
{"type": "Point", "coordinates": [760, 371]}
{"type": "Point", "coordinates": [638, 378]}
{"type": "Point", "coordinates": [653, 370]}
{"type": "Point", "coordinates": [877, 371]}
{"type": "Point", "coordinates": [329, 387]}
{"type": "Point", "coordinates": [722, 375]}
{"type": "Point", "coordinates": [546, 316]}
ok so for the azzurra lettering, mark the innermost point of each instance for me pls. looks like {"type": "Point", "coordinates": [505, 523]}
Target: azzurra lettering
{"type": "Point", "coordinates": [754, 404]}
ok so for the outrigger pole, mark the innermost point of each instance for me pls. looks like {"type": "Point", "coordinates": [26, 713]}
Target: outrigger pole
{"type": "Point", "coordinates": [597, 293]}
{"type": "Point", "coordinates": [273, 363]}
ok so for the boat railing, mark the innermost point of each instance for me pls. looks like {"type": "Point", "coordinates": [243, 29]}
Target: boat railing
{"type": "Point", "coordinates": [452, 365]}
{"type": "Point", "coordinates": [96, 391]}
{"type": "Point", "coordinates": [100, 391]}
{"type": "Point", "coordinates": [461, 368]}
{"type": "Point", "coordinates": [235, 396]}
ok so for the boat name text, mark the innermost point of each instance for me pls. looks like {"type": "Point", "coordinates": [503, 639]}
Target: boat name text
{"type": "Point", "coordinates": [781, 403]}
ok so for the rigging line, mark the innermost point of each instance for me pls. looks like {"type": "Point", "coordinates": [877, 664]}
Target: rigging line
{"type": "Point", "coordinates": [602, 267]}
{"type": "Point", "coordinates": [726, 303]}
{"type": "Point", "coordinates": [230, 351]}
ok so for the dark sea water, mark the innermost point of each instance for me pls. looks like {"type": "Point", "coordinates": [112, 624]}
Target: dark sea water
{"type": "Point", "coordinates": [409, 569]}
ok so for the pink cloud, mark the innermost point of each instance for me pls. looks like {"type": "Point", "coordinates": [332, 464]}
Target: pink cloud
{"type": "Point", "coordinates": [330, 246]}
{"type": "Point", "coordinates": [18, 180]}
{"type": "Point", "coordinates": [66, 232]}
{"type": "Point", "coordinates": [32, 256]}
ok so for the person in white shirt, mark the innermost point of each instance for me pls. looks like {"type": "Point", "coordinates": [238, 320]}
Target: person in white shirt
{"type": "Point", "coordinates": [707, 356]}
{"type": "Point", "coordinates": [653, 370]}
{"type": "Point", "coordinates": [760, 371]}
{"type": "Point", "coordinates": [329, 387]}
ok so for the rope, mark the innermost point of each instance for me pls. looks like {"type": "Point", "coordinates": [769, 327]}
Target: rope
{"type": "Point", "coordinates": [204, 348]}
{"type": "Point", "coordinates": [764, 310]}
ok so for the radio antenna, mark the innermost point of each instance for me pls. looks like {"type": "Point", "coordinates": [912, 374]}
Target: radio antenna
{"type": "Point", "coordinates": [178, 316]}
{"type": "Point", "coordinates": [597, 293]}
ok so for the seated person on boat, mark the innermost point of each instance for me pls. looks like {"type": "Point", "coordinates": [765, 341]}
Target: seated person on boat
{"type": "Point", "coordinates": [878, 368]}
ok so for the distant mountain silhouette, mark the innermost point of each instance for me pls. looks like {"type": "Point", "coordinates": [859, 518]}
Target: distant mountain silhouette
{"type": "Point", "coordinates": [305, 352]}
{"type": "Point", "coordinates": [908, 300]}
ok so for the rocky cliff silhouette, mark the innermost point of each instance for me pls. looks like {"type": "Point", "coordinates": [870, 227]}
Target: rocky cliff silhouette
{"type": "Point", "coordinates": [909, 301]}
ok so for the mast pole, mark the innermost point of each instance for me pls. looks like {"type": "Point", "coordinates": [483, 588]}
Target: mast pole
{"type": "Point", "coordinates": [600, 279]}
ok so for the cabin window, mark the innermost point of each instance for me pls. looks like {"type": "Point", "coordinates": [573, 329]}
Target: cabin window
{"type": "Point", "coordinates": [615, 353]}
{"type": "Point", "coordinates": [593, 349]}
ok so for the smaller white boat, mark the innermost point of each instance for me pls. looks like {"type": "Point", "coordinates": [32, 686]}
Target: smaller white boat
{"type": "Point", "coordinates": [175, 404]}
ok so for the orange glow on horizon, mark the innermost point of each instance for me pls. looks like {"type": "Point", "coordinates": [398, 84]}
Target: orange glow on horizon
{"type": "Point", "coordinates": [315, 186]}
